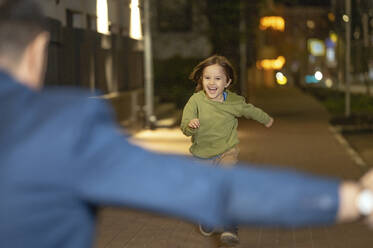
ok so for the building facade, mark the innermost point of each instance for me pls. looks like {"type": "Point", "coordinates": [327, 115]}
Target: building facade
{"type": "Point", "coordinates": [82, 55]}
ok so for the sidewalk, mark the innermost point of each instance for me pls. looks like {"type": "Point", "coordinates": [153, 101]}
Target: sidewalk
{"type": "Point", "coordinates": [300, 139]}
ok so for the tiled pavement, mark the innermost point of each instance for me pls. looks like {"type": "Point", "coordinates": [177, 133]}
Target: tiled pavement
{"type": "Point", "coordinates": [300, 138]}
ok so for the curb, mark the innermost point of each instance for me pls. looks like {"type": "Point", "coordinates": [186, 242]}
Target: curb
{"type": "Point", "coordinates": [351, 151]}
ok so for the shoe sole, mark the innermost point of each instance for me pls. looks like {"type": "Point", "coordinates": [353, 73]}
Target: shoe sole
{"type": "Point", "coordinates": [206, 234]}
{"type": "Point", "coordinates": [229, 239]}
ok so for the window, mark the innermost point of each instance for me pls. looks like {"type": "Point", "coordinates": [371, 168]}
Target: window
{"type": "Point", "coordinates": [74, 19]}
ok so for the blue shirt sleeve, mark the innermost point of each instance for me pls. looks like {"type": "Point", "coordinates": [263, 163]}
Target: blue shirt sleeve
{"type": "Point", "coordinates": [111, 171]}
{"type": "Point", "coordinates": [278, 197]}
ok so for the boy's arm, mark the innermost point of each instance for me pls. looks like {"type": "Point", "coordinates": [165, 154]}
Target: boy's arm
{"type": "Point", "coordinates": [252, 112]}
{"type": "Point", "coordinates": [190, 112]}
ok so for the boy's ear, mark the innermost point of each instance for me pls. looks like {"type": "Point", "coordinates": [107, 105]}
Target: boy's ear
{"type": "Point", "coordinates": [228, 83]}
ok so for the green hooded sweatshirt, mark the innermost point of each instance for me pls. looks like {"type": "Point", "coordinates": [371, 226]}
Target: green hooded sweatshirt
{"type": "Point", "coordinates": [218, 122]}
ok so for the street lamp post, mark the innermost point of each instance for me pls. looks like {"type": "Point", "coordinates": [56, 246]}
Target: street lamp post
{"type": "Point", "coordinates": [243, 49]}
{"type": "Point", "coordinates": [148, 62]}
{"type": "Point", "coordinates": [348, 59]}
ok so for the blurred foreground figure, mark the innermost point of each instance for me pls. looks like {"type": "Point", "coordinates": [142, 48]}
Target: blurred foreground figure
{"type": "Point", "coordinates": [62, 157]}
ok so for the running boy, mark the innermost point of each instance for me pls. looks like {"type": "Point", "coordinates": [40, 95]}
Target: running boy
{"type": "Point", "coordinates": [210, 117]}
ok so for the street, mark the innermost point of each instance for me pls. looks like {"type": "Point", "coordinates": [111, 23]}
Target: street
{"type": "Point", "coordinates": [300, 139]}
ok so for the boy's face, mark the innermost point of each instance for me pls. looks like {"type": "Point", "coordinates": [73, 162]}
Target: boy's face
{"type": "Point", "coordinates": [214, 81]}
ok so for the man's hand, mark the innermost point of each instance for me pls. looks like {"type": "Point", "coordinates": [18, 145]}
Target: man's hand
{"type": "Point", "coordinates": [367, 182]}
{"type": "Point", "coordinates": [194, 123]}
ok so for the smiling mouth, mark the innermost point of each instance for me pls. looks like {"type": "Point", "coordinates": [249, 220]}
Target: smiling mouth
{"type": "Point", "coordinates": [212, 89]}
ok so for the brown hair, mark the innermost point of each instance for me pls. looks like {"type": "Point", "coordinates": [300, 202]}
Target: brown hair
{"type": "Point", "coordinates": [20, 22]}
{"type": "Point", "coordinates": [197, 73]}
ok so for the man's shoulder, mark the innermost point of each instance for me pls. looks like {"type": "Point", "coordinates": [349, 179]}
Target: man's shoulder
{"type": "Point", "coordinates": [70, 98]}
{"type": "Point", "coordinates": [66, 112]}
{"type": "Point", "coordinates": [68, 105]}
{"type": "Point", "coordinates": [53, 119]}
{"type": "Point", "coordinates": [65, 94]}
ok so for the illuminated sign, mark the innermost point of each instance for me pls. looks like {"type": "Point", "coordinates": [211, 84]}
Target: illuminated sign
{"type": "Point", "coordinates": [273, 22]}
{"type": "Point", "coordinates": [274, 64]}
{"type": "Point", "coordinates": [316, 47]}
{"type": "Point", "coordinates": [334, 37]}
{"type": "Point", "coordinates": [311, 79]}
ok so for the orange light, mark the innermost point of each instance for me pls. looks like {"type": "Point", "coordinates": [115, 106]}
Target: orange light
{"type": "Point", "coordinates": [271, 64]}
{"type": "Point", "coordinates": [331, 17]}
{"type": "Point", "coordinates": [274, 22]}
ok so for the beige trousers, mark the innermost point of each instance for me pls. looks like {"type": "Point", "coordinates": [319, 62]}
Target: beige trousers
{"type": "Point", "coordinates": [228, 158]}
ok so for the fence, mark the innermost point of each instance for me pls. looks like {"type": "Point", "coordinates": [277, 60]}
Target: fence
{"type": "Point", "coordinates": [85, 58]}
{"type": "Point", "coordinates": [110, 64]}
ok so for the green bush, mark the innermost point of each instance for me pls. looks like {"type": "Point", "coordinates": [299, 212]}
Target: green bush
{"type": "Point", "coordinates": [334, 101]}
{"type": "Point", "coordinates": [171, 83]}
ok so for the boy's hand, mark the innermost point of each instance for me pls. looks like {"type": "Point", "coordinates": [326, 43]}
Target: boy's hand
{"type": "Point", "coordinates": [194, 123]}
{"type": "Point", "coordinates": [269, 124]}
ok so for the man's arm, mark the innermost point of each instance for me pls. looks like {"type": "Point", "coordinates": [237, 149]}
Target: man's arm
{"type": "Point", "coordinates": [113, 172]}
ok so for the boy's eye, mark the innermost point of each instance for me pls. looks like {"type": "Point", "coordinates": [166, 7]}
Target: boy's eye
{"type": "Point", "coordinates": [218, 78]}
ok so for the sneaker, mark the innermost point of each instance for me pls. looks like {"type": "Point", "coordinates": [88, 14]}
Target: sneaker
{"type": "Point", "coordinates": [206, 231]}
{"type": "Point", "coordinates": [229, 238]}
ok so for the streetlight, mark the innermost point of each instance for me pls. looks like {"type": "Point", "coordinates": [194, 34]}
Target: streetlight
{"type": "Point", "coordinates": [318, 75]}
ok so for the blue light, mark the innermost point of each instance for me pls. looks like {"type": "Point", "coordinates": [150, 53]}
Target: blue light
{"type": "Point", "coordinates": [311, 79]}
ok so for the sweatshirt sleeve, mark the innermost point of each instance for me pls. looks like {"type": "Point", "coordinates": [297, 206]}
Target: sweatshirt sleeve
{"type": "Point", "coordinates": [271, 197]}
{"type": "Point", "coordinates": [190, 112]}
{"type": "Point", "coordinates": [110, 171]}
{"type": "Point", "coordinates": [252, 112]}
